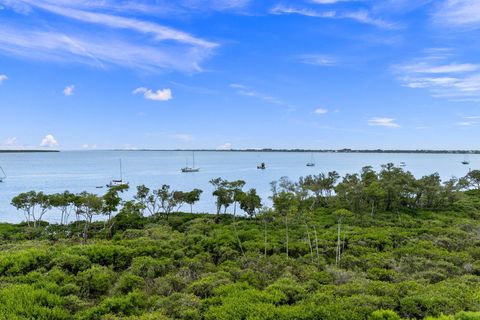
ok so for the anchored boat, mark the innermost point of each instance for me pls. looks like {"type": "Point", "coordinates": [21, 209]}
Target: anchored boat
{"type": "Point", "coordinates": [188, 169]}
{"type": "Point", "coordinates": [312, 162]}
{"type": "Point", "coordinates": [118, 182]}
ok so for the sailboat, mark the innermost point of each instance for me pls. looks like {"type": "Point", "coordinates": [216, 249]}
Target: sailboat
{"type": "Point", "coordinates": [188, 169]}
{"type": "Point", "coordinates": [312, 162]}
{"type": "Point", "coordinates": [465, 161]}
{"type": "Point", "coordinates": [262, 166]}
{"type": "Point", "coordinates": [119, 182]}
{"type": "Point", "coordinates": [3, 176]}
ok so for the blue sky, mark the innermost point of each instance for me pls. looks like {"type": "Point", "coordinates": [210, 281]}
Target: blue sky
{"type": "Point", "coordinates": [84, 74]}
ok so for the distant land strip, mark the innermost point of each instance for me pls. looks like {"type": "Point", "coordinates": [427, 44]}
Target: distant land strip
{"type": "Point", "coordinates": [26, 151]}
{"type": "Point", "coordinates": [316, 150]}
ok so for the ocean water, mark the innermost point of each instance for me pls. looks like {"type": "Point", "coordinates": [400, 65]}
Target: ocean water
{"type": "Point", "coordinates": [78, 171]}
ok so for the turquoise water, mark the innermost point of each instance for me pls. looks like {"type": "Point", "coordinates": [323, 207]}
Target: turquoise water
{"type": "Point", "coordinates": [84, 170]}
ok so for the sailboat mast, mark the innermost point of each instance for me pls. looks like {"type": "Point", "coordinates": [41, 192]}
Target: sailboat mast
{"type": "Point", "coordinates": [121, 174]}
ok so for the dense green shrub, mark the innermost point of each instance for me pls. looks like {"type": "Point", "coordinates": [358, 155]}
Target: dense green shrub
{"type": "Point", "coordinates": [95, 281]}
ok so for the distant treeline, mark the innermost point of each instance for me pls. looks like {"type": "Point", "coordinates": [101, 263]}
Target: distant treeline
{"type": "Point", "coordinates": [27, 151]}
{"type": "Point", "coordinates": [318, 150]}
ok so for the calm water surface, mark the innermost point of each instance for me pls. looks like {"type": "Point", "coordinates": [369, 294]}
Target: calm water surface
{"type": "Point", "coordinates": [82, 171]}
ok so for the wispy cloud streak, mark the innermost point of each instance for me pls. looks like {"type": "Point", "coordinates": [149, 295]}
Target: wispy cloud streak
{"type": "Point", "coordinates": [248, 92]}
{"type": "Point", "coordinates": [362, 16]}
{"type": "Point", "coordinates": [442, 76]}
{"type": "Point", "coordinates": [147, 45]}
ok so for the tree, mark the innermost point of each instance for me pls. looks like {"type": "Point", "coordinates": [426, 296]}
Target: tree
{"type": "Point", "coordinates": [340, 215]}
{"type": "Point", "coordinates": [142, 195]}
{"type": "Point", "coordinates": [148, 200]}
{"type": "Point", "coordinates": [25, 201]}
{"type": "Point", "coordinates": [223, 194]}
{"type": "Point", "coordinates": [28, 202]}
{"type": "Point", "coordinates": [235, 187]}
{"type": "Point", "coordinates": [192, 197]}
{"type": "Point", "coordinates": [374, 194]}
{"type": "Point", "coordinates": [250, 202]}
{"type": "Point", "coordinates": [399, 187]}
{"type": "Point", "coordinates": [473, 177]}
{"type": "Point", "coordinates": [350, 192]}
{"type": "Point", "coordinates": [428, 191]}
{"type": "Point", "coordinates": [285, 204]}
{"type": "Point", "coordinates": [88, 205]}
{"type": "Point", "coordinates": [63, 202]}
{"type": "Point", "coordinates": [111, 200]}
{"type": "Point", "coordinates": [321, 186]}
{"type": "Point", "coordinates": [168, 199]}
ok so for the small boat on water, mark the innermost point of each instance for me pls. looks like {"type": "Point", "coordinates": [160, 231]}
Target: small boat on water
{"type": "Point", "coordinates": [262, 166]}
{"type": "Point", "coordinates": [465, 162]}
{"type": "Point", "coordinates": [117, 182]}
{"type": "Point", "coordinates": [3, 176]}
{"type": "Point", "coordinates": [188, 169]}
{"type": "Point", "coordinates": [403, 164]}
{"type": "Point", "coordinates": [312, 162]}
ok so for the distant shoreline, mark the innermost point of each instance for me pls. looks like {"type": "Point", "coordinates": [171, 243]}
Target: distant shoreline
{"type": "Point", "coordinates": [314, 150]}
{"type": "Point", "coordinates": [266, 150]}
{"type": "Point", "coordinates": [27, 151]}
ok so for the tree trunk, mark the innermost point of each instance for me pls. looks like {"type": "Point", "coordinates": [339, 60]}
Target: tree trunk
{"type": "Point", "coordinates": [265, 235]}
{"type": "Point", "coordinates": [309, 240]}
{"type": "Point", "coordinates": [337, 258]}
{"type": "Point", "coordinates": [238, 238]}
{"type": "Point", "coordinates": [286, 231]}
{"type": "Point", "coordinates": [316, 244]}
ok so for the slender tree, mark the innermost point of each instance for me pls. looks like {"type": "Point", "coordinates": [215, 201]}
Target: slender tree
{"type": "Point", "coordinates": [192, 197]}
{"type": "Point", "coordinates": [340, 215]}
{"type": "Point", "coordinates": [250, 202]}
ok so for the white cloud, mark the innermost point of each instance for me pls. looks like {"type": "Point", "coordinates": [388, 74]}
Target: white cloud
{"type": "Point", "coordinates": [330, 1]}
{"type": "Point", "coordinates": [226, 146]}
{"type": "Point", "coordinates": [69, 90]}
{"type": "Point", "coordinates": [383, 122]}
{"type": "Point", "coordinates": [183, 137]}
{"type": "Point", "coordinates": [459, 13]}
{"type": "Point", "coordinates": [363, 16]}
{"type": "Point", "coordinates": [466, 123]}
{"type": "Point", "coordinates": [3, 78]}
{"type": "Point", "coordinates": [216, 5]}
{"type": "Point", "coordinates": [10, 142]}
{"type": "Point", "coordinates": [443, 77]}
{"type": "Point", "coordinates": [159, 95]}
{"type": "Point", "coordinates": [281, 9]}
{"type": "Point", "coordinates": [49, 142]}
{"type": "Point", "coordinates": [320, 111]}
{"type": "Point", "coordinates": [366, 18]}
{"type": "Point", "coordinates": [147, 45]}
{"type": "Point", "coordinates": [469, 121]}
{"type": "Point", "coordinates": [248, 92]}
{"type": "Point", "coordinates": [319, 60]}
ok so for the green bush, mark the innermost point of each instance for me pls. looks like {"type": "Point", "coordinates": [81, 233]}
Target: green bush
{"type": "Point", "coordinates": [95, 281]}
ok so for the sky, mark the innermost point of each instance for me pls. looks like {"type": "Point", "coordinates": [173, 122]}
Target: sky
{"type": "Point", "coordinates": [222, 74]}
